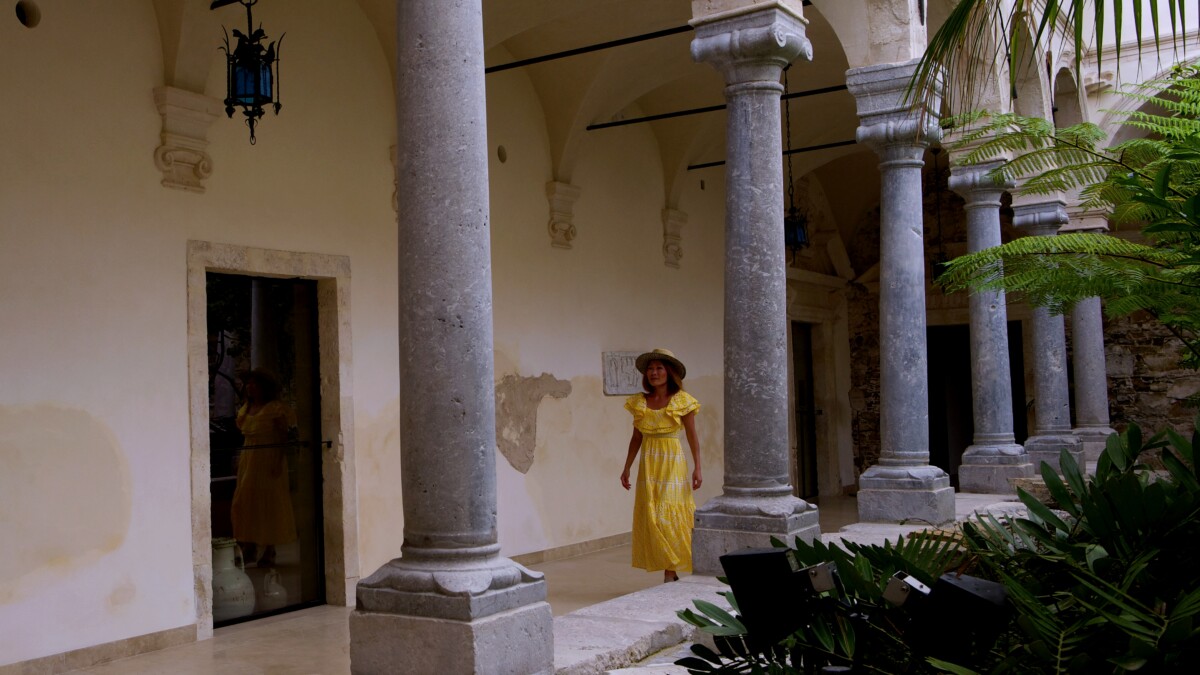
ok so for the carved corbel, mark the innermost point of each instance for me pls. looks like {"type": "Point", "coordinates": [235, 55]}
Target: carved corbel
{"type": "Point", "coordinates": [673, 222]}
{"type": "Point", "coordinates": [562, 198]}
{"type": "Point", "coordinates": [182, 157]}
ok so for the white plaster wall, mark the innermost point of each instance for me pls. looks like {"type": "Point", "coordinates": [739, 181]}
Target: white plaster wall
{"type": "Point", "coordinates": [93, 408]}
{"type": "Point", "coordinates": [557, 310]}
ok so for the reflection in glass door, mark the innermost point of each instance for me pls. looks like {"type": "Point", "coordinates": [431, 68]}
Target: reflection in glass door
{"type": "Point", "coordinates": [265, 440]}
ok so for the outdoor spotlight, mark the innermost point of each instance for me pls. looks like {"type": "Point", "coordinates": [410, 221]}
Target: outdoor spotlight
{"type": "Point", "coordinates": [771, 589]}
{"type": "Point", "coordinates": [821, 578]}
{"type": "Point", "coordinates": [904, 587]}
{"type": "Point", "coordinates": [938, 628]}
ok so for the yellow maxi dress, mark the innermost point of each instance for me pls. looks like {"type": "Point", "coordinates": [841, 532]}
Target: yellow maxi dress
{"type": "Point", "coordinates": [663, 507]}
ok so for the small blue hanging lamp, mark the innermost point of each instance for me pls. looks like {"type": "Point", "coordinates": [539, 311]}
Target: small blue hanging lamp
{"type": "Point", "coordinates": [252, 70]}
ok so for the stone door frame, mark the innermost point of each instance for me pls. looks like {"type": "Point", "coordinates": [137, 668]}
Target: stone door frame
{"type": "Point", "coordinates": [820, 300]}
{"type": "Point", "coordinates": [339, 487]}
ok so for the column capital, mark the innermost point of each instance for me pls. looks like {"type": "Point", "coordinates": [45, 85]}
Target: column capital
{"type": "Point", "coordinates": [183, 157]}
{"type": "Point", "coordinates": [1041, 218]}
{"type": "Point", "coordinates": [754, 45]}
{"type": "Point", "coordinates": [562, 198]}
{"type": "Point", "coordinates": [673, 221]}
{"type": "Point", "coordinates": [1085, 220]}
{"type": "Point", "coordinates": [976, 184]}
{"type": "Point", "coordinates": [888, 115]}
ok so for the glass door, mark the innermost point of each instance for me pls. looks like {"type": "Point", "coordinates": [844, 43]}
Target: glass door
{"type": "Point", "coordinates": [265, 440]}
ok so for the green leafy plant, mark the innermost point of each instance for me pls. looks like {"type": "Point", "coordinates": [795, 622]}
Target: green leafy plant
{"type": "Point", "coordinates": [980, 35]}
{"type": "Point", "coordinates": [1152, 183]}
{"type": "Point", "coordinates": [1108, 581]}
{"type": "Point", "coordinates": [851, 626]}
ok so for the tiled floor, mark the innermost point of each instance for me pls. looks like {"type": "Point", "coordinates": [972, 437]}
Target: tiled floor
{"type": "Point", "coordinates": [317, 640]}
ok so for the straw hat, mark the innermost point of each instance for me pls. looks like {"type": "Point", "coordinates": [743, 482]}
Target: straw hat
{"type": "Point", "coordinates": [664, 355]}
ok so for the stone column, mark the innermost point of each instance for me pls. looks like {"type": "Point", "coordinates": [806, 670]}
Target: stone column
{"type": "Point", "coordinates": [1091, 377]}
{"type": "Point", "coordinates": [994, 457]}
{"type": "Point", "coordinates": [750, 49]}
{"type": "Point", "coordinates": [1092, 424]}
{"type": "Point", "coordinates": [450, 603]}
{"type": "Point", "coordinates": [1052, 407]}
{"type": "Point", "coordinates": [903, 485]}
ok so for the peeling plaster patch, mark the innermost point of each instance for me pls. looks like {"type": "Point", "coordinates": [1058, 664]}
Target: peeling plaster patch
{"type": "Point", "coordinates": [517, 400]}
{"type": "Point", "coordinates": [64, 493]}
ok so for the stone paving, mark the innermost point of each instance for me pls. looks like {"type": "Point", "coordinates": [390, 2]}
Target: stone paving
{"type": "Point", "coordinates": [635, 634]}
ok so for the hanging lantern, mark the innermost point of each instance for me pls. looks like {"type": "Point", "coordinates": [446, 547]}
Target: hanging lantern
{"type": "Point", "coordinates": [252, 71]}
{"type": "Point", "coordinates": [795, 219]}
{"type": "Point", "coordinates": [795, 226]}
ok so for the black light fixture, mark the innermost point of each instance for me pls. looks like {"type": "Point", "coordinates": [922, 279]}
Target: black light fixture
{"type": "Point", "coordinates": [252, 70]}
{"type": "Point", "coordinates": [795, 220]}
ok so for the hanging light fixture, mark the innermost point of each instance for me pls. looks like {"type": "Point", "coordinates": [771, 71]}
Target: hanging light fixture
{"type": "Point", "coordinates": [252, 71]}
{"type": "Point", "coordinates": [795, 220]}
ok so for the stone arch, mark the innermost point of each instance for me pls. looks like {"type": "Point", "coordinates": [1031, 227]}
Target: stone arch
{"type": "Point", "coordinates": [1068, 108]}
{"type": "Point", "coordinates": [1029, 74]}
{"type": "Point", "coordinates": [1112, 117]}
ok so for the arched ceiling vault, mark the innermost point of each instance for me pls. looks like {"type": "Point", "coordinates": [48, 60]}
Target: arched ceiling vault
{"type": "Point", "coordinates": [647, 78]}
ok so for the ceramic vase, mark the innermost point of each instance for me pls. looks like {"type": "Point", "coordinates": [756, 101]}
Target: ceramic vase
{"type": "Point", "coordinates": [273, 595]}
{"type": "Point", "coordinates": [233, 592]}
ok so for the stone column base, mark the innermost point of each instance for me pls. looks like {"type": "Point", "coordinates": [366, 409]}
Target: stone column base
{"type": "Point", "coordinates": [1093, 441]}
{"type": "Point", "coordinates": [1048, 447]}
{"type": "Point", "coordinates": [726, 524]}
{"type": "Point", "coordinates": [894, 494]}
{"type": "Point", "coordinates": [987, 468]}
{"type": "Point", "coordinates": [514, 642]}
{"type": "Point", "coordinates": [991, 478]}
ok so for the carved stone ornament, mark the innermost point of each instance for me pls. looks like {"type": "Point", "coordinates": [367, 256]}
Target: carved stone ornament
{"type": "Point", "coordinates": [562, 198]}
{"type": "Point", "coordinates": [673, 222]}
{"type": "Point", "coordinates": [889, 120]}
{"type": "Point", "coordinates": [1041, 218]}
{"type": "Point", "coordinates": [182, 157]}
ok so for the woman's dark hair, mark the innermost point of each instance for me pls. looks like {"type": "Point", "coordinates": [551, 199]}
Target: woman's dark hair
{"type": "Point", "coordinates": [674, 380]}
{"type": "Point", "coordinates": [268, 384]}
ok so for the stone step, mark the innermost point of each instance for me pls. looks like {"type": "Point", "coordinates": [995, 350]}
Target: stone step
{"type": "Point", "coordinates": [622, 632]}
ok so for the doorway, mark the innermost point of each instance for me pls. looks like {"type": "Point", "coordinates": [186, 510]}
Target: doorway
{"type": "Point", "coordinates": [951, 410]}
{"type": "Point", "coordinates": [805, 479]}
{"type": "Point", "coordinates": [265, 445]}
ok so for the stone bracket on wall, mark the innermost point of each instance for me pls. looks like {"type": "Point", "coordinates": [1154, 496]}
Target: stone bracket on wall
{"type": "Point", "coordinates": [562, 198]}
{"type": "Point", "coordinates": [182, 158]}
{"type": "Point", "coordinates": [672, 248]}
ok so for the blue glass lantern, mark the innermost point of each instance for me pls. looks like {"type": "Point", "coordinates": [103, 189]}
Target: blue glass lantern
{"type": "Point", "coordinates": [252, 70]}
{"type": "Point", "coordinates": [795, 227]}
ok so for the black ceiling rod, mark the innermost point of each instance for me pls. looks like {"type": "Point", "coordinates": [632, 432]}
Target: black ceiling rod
{"type": "Point", "coordinates": [705, 109]}
{"type": "Point", "coordinates": [593, 48]}
{"type": "Point", "coordinates": [588, 49]}
{"type": "Point", "coordinates": [792, 151]}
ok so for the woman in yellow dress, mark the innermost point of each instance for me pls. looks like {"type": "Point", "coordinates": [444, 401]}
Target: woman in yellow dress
{"type": "Point", "coordinates": [262, 501]}
{"type": "Point", "coordinates": [663, 507]}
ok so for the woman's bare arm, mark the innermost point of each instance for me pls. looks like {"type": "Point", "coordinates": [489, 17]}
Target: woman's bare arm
{"type": "Point", "coordinates": [689, 428]}
{"type": "Point", "coordinates": [635, 443]}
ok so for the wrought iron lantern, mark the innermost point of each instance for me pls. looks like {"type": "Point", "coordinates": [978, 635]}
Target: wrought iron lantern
{"type": "Point", "coordinates": [795, 219]}
{"type": "Point", "coordinates": [252, 70]}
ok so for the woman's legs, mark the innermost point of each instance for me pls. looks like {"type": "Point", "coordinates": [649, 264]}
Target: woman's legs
{"type": "Point", "coordinates": [670, 575]}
